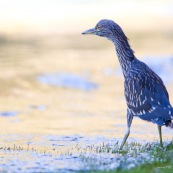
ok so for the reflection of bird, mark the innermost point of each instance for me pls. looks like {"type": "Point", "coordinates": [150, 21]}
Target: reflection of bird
{"type": "Point", "coordinates": [145, 93]}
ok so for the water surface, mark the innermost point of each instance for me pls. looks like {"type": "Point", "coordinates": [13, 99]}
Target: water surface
{"type": "Point", "coordinates": [49, 123]}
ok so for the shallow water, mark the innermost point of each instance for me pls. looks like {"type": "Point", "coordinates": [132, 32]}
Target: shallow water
{"type": "Point", "coordinates": [66, 154]}
{"type": "Point", "coordinates": [68, 81]}
{"type": "Point", "coordinates": [50, 123]}
{"type": "Point", "coordinates": [9, 113]}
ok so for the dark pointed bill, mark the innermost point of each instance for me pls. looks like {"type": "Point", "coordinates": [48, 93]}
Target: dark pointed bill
{"type": "Point", "coordinates": [90, 31]}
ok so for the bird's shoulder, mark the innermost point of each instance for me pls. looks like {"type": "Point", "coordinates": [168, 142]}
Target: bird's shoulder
{"type": "Point", "coordinates": [141, 73]}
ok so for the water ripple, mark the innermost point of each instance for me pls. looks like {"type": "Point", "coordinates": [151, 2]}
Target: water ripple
{"type": "Point", "coordinates": [67, 80]}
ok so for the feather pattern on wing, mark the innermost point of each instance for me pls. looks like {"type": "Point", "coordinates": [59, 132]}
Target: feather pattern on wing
{"type": "Point", "coordinates": [146, 94]}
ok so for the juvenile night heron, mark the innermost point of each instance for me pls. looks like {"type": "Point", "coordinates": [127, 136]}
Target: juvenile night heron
{"type": "Point", "coordinates": [145, 93]}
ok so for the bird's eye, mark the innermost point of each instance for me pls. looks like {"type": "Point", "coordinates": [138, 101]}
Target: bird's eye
{"type": "Point", "coordinates": [98, 28]}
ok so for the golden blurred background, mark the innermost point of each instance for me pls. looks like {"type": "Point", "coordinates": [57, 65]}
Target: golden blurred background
{"type": "Point", "coordinates": [43, 37]}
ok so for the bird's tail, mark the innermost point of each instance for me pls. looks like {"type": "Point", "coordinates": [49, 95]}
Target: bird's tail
{"type": "Point", "coordinates": [170, 125]}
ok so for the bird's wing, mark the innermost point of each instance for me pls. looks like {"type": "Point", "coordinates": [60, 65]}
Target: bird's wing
{"type": "Point", "coordinates": [146, 95]}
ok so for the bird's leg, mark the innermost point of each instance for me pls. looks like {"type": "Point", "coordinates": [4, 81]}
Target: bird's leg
{"type": "Point", "coordinates": [129, 122]}
{"type": "Point", "coordinates": [125, 138]}
{"type": "Point", "coordinates": [160, 135]}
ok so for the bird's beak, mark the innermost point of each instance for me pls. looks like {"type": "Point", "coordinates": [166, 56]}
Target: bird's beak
{"type": "Point", "coordinates": [90, 31]}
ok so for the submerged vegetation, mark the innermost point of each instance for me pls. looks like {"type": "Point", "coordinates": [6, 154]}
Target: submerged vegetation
{"type": "Point", "coordinates": [93, 158]}
{"type": "Point", "coordinates": [155, 159]}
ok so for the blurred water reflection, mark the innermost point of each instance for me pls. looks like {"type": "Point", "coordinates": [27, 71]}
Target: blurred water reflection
{"type": "Point", "coordinates": [46, 64]}
{"type": "Point", "coordinates": [68, 81]}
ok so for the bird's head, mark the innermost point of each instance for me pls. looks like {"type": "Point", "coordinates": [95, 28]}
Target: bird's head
{"type": "Point", "coordinates": [106, 28]}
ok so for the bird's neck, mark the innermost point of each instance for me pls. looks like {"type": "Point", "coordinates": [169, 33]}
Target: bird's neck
{"type": "Point", "coordinates": [125, 54]}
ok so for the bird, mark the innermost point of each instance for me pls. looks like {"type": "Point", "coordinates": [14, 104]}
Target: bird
{"type": "Point", "coordinates": [145, 93]}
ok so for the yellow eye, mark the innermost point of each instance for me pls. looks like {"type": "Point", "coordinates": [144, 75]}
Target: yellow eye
{"type": "Point", "coordinates": [98, 28]}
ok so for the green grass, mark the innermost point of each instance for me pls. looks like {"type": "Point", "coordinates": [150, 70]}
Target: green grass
{"type": "Point", "coordinates": [162, 161]}
{"type": "Point", "coordinates": [144, 158]}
